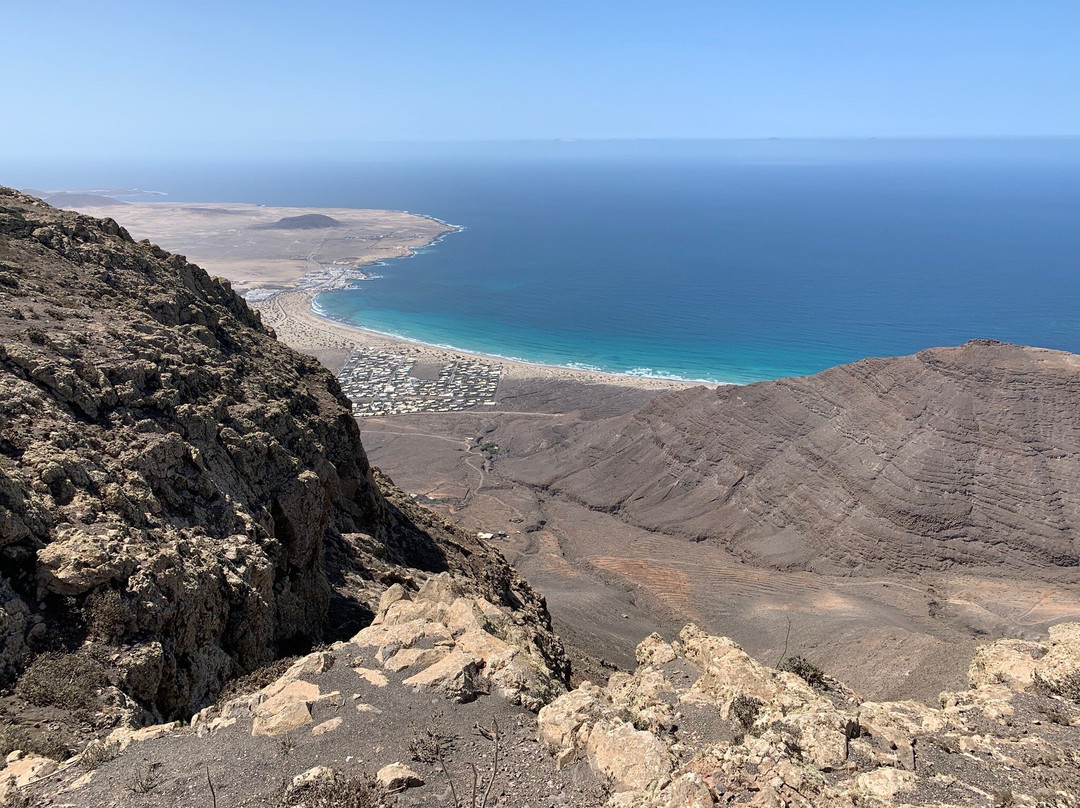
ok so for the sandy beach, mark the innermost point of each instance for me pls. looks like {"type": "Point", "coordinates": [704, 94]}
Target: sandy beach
{"type": "Point", "coordinates": [290, 315]}
{"type": "Point", "coordinates": [280, 258]}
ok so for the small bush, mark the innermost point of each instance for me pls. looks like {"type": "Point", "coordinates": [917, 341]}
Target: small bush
{"type": "Point", "coordinates": [745, 710]}
{"type": "Point", "coordinates": [106, 615]}
{"type": "Point", "coordinates": [145, 778]}
{"type": "Point", "coordinates": [62, 680]}
{"type": "Point", "coordinates": [811, 673]}
{"type": "Point", "coordinates": [337, 791]}
{"type": "Point", "coordinates": [97, 753]}
{"type": "Point", "coordinates": [428, 745]}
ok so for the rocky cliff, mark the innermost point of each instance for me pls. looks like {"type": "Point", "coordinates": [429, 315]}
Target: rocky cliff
{"type": "Point", "coordinates": [954, 457]}
{"type": "Point", "coordinates": [182, 497]}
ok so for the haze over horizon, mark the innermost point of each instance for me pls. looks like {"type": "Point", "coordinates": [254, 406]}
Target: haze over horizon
{"type": "Point", "coordinates": [138, 80]}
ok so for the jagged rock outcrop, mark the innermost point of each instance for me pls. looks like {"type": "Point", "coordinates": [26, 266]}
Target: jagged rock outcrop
{"type": "Point", "coordinates": [702, 723]}
{"type": "Point", "coordinates": [388, 705]}
{"type": "Point", "coordinates": [954, 456]}
{"type": "Point", "coordinates": [181, 493]}
{"type": "Point", "coordinates": [461, 644]}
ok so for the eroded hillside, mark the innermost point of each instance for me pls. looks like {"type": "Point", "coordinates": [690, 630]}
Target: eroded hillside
{"type": "Point", "coordinates": [954, 456]}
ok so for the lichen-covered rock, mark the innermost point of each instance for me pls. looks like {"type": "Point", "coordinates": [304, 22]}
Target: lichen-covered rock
{"type": "Point", "coordinates": [654, 650]}
{"type": "Point", "coordinates": [1059, 668]}
{"type": "Point", "coordinates": [564, 725]}
{"type": "Point", "coordinates": [1010, 662]}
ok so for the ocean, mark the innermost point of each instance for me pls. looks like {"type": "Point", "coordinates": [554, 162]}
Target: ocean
{"type": "Point", "coordinates": [722, 261]}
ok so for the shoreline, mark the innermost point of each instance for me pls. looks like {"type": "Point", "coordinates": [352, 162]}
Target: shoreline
{"type": "Point", "coordinates": [494, 357]}
{"type": "Point", "coordinates": [283, 270]}
{"type": "Point", "coordinates": [291, 315]}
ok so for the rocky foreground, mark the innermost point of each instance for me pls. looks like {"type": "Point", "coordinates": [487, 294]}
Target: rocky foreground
{"type": "Point", "coordinates": [435, 691]}
{"type": "Point", "coordinates": [701, 723]}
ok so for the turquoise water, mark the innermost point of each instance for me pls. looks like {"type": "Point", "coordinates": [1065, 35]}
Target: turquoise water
{"type": "Point", "coordinates": [726, 262]}
{"type": "Point", "coordinates": [726, 271]}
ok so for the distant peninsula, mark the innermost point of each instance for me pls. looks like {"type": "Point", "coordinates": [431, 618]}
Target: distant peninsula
{"type": "Point", "coordinates": [265, 250]}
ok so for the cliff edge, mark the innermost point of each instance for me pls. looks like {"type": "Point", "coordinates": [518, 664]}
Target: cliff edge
{"type": "Point", "coordinates": [183, 498]}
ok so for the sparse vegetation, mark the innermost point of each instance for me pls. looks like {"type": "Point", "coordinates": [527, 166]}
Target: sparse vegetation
{"type": "Point", "coordinates": [286, 744]}
{"type": "Point", "coordinates": [427, 745]}
{"type": "Point", "coordinates": [97, 753]}
{"type": "Point", "coordinates": [336, 791]}
{"type": "Point", "coordinates": [490, 448]}
{"type": "Point", "coordinates": [480, 792]}
{"type": "Point", "coordinates": [745, 710]}
{"type": "Point", "coordinates": [47, 743]}
{"type": "Point", "coordinates": [146, 777]}
{"type": "Point", "coordinates": [801, 666]}
{"type": "Point", "coordinates": [106, 615]}
{"type": "Point", "coordinates": [62, 680]}
{"type": "Point", "coordinates": [1004, 799]}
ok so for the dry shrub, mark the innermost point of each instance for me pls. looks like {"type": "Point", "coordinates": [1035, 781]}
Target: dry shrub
{"type": "Point", "coordinates": [97, 753]}
{"type": "Point", "coordinates": [107, 616]}
{"type": "Point", "coordinates": [335, 791]}
{"type": "Point", "coordinates": [745, 709]}
{"type": "Point", "coordinates": [62, 680]}
{"type": "Point", "coordinates": [801, 666]}
{"type": "Point", "coordinates": [46, 744]}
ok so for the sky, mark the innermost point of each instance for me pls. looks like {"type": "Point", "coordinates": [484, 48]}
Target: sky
{"type": "Point", "coordinates": [116, 78]}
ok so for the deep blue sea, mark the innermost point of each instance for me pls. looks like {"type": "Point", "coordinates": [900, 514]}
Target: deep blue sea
{"type": "Point", "coordinates": [718, 261]}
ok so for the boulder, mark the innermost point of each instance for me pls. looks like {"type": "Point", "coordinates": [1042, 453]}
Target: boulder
{"type": "Point", "coordinates": [654, 650]}
{"type": "Point", "coordinates": [883, 784]}
{"type": "Point", "coordinates": [287, 709]}
{"type": "Point", "coordinates": [632, 758]}
{"type": "Point", "coordinates": [1009, 662]}
{"type": "Point", "coordinates": [564, 724]}
{"type": "Point", "coordinates": [398, 777]}
{"type": "Point", "coordinates": [456, 675]}
{"type": "Point", "coordinates": [1059, 669]}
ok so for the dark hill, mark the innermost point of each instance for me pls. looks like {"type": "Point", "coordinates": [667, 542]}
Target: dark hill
{"type": "Point", "coordinates": [308, 221]}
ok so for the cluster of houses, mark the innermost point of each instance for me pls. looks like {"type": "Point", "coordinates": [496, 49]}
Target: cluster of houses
{"type": "Point", "coordinates": [389, 382]}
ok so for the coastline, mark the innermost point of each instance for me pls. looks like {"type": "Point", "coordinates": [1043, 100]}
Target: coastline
{"type": "Point", "coordinates": [280, 271]}
{"type": "Point", "coordinates": [292, 317]}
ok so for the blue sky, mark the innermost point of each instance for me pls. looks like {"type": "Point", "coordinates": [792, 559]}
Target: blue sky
{"type": "Point", "coordinates": [184, 78]}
